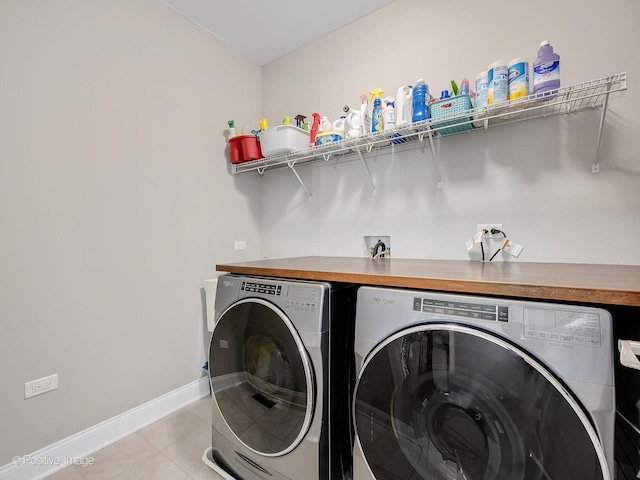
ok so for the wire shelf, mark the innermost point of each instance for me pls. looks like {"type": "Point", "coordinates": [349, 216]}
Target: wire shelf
{"type": "Point", "coordinates": [570, 99]}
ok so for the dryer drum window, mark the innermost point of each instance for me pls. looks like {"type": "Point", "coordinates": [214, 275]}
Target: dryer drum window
{"type": "Point", "coordinates": [450, 402]}
{"type": "Point", "coordinates": [261, 377]}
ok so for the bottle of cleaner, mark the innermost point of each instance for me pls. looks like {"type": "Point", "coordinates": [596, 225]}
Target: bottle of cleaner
{"type": "Point", "coordinates": [377, 122]}
{"type": "Point", "coordinates": [389, 114]}
{"type": "Point", "coordinates": [464, 86]}
{"type": "Point", "coordinates": [365, 126]}
{"type": "Point", "coordinates": [420, 101]}
{"type": "Point", "coordinates": [353, 122]}
{"type": "Point", "coordinates": [546, 72]}
{"type": "Point", "coordinates": [314, 129]}
{"type": "Point", "coordinates": [339, 125]}
{"type": "Point", "coordinates": [325, 124]}
{"type": "Point", "coordinates": [403, 106]}
{"type": "Point", "coordinates": [232, 130]}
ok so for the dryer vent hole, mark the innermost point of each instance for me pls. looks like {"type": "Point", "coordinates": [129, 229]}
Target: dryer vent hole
{"type": "Point", "coordinates": [258, 397]}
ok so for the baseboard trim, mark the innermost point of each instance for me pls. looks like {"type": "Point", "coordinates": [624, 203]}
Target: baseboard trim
{"type": "Point", "coordinates": [79, 446]}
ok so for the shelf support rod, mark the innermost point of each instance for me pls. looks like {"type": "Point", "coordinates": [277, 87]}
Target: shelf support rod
{"type": "Point", "coordinates": [595, 167]}
{"type": "Point", "coordinates": [364, 163]}
{"type": "Point", "coordinates": [435, 159]}
{"type": "Point", "coordinates": [292, 167]}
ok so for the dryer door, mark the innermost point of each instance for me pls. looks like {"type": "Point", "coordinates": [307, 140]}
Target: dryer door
{"type": "Point", "coordinates": [261, 377]}
{"type": "Point", "coordinates": [442, 401]}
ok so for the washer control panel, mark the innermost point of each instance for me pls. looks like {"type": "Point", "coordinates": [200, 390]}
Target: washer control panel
{"type": "Point", "coordinates": [478, 311]}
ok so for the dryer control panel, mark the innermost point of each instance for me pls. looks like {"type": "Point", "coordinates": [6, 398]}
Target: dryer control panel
{"type": "Point", "coordinates": [265, 288]}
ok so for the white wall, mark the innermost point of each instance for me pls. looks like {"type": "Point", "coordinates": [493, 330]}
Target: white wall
{"type": "Point", "coordinates": [534, 177]}
{"type": "Point", "coordinates": [115, 204]}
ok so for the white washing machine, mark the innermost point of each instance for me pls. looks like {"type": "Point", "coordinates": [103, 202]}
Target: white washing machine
{"type": "Point", "coordinates": [475, 388]}
{"type": "Point", "coordinates": [281, 371]}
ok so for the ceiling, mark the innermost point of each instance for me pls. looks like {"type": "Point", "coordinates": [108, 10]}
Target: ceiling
{"type": "Point", "coordinates": [267, 30]}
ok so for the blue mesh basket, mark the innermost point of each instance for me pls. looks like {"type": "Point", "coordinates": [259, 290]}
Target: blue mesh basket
{"type": "Point", "coordinates": [452, 113]}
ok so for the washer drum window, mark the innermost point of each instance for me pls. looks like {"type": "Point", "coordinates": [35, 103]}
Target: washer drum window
{"type": "Point", "coordinates": [261, 377]}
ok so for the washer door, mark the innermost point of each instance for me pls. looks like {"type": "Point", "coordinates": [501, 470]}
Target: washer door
{"type": "Point", "coordinates": [443, 401]}
{"type": "Point", "coordinates": [261, 377]}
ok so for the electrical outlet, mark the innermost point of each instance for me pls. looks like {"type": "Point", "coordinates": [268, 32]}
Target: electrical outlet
{"type": "Point", "coordinates": [488, 227]}
{"type": "Point", "coordinates": [240, 245]}
{"type": "Point", "coordinates": [40, 386]}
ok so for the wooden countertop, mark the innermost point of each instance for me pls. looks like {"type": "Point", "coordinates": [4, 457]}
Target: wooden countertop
{"type": "Point", "coordinates": [602, 284]}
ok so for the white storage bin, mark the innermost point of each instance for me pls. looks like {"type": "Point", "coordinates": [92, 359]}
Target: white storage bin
{"type": "Point", "coordinates": [283, 139]}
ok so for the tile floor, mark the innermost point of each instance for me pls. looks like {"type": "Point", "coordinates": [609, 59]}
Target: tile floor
{"type": "Point", "coordinates": [169, 449]}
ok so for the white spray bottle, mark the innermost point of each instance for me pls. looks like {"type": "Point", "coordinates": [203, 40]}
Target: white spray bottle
{"type": "Point", "coordinates": [403, 106]}
{"type": "Point", "coordinates": [365, 125]}
{"type": "Point", "coordinates": [389, 114]}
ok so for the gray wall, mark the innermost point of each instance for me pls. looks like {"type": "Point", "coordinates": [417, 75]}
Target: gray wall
{"type": "Point", "coordinates": [115, 204]}
{"type": "Point", "coordinates": [534, 177]}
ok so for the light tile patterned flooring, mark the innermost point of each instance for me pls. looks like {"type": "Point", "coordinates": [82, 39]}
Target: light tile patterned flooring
{"type": "Point", "coordinates": [169, 449]}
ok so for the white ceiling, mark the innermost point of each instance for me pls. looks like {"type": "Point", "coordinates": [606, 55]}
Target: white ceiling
{"type": "Point", "coordinates": [268, 29]}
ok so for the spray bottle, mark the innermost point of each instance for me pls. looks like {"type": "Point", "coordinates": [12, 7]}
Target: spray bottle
{"type": "Point", "coordinates": [403, 106]}
{"type": "Point", "coordinates": [389, 114]}
{"type": "Point", "coordinates": [314, 129]}
{"type": "Point", "coordinates": [365, 126]}
{"type": "Point", "coordinates": [377, 123]}
{"type": "Point", "coordinates": [232, 130]}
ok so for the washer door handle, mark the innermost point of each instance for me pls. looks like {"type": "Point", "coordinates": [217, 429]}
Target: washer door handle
{"type": "Point", "coordinates": [629, 352]}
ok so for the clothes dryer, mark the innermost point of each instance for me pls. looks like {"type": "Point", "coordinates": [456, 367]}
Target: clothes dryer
{"type": "Point", "coordinates": [475, 388]}
{"type": "Point", "coordinates": [281, 371]}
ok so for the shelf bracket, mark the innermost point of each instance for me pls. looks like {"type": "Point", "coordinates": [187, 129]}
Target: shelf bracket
{"type": "Point", "coordinates": [595, 167]}
{"type": "Point", "coordinates": [570, 105]}
{"type": "Point", "coordinates": [435, 159]}
{"type": "Point", "coordinates": [364, 163]}
{"type": "Point", "coordinates": [292, 167]}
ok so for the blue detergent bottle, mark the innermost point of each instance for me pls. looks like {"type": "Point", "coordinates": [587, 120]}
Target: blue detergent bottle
{"type": "Point", "coordinates": [420, 101]}
{"type": "Point", "coordinates": [377, 123]}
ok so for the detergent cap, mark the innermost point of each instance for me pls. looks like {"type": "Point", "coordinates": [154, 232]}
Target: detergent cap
{"type": "Point", "coordinates": [376, 93]}
{"type": "Point", "coordinates": [231, 123]}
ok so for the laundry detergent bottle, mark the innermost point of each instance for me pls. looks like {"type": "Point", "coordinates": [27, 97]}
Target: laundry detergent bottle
{"type": "Point", "coordinates": [546, 72]}
{"type": "Point", "coordinates": [377, 122]}
{"type": "Point", "coordinates": [420, 101]}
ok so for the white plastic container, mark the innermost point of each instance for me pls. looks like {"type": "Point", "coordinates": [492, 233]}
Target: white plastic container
{"type": "Point", "coordinates": [403, 106]}
{"type": "Point", "coordinates": [518, 78]}
{"type": "Point", "coordinates": [482, 89]}
{"type": "Point", "coordinates": [498, 82]}
{"type": "Point", "coordinates": [283, 139]}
